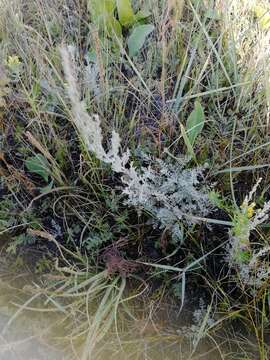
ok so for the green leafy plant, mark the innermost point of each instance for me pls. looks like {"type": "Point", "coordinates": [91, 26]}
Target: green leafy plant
{"type": "Point", "coordinates": [194, 127]}
{"type": "Point", "coordinates": [137, 38]}
{"type": "Point", "coordinates": [195, 122]}
{"type": "Point", "coordinates": [6, 214]}
{"type": "Point", "coordinates": [21, 240]}
{"type": "Point", "coordinates": [39, 165]}
{"type": "Point", "coordinates": [249, 261]}
{"type": "Point", "coordinates": [125, 12]}
{"type": "Point", "coordinates": [103, 16]}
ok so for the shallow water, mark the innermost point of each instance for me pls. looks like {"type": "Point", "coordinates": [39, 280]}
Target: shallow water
{"type": "Point", "coordinates": [23, 334]}
{"type": "Point", "coordinates": [29, 335]}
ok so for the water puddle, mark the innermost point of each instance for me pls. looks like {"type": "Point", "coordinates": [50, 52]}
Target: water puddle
{"type": "Point", "coordinates": [36, 335]}
{"type": "Point", "coordinates": [25, 337]}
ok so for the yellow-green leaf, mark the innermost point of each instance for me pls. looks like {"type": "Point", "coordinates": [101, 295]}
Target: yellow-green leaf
{"type": "Point", "coordinates": [125, 12]}
{"type": "Point", "coordinates": [113, 27]}
{"type": "Point", "coordinates": [263, 15]}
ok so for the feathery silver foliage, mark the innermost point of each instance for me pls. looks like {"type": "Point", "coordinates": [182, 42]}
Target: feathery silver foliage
{"type": "Point", "coordinates": [169, 192]}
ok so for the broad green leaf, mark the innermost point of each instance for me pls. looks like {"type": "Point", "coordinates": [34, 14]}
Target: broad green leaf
{"type": "Point", "coordinates": [263, 15]}
{"type": "Point", "coordinates": [113, 27]}
{"type": "Point", "coordinates": [142, 15]}
{"type": "Point", "coordinates": [195, 123]}
{"type": "Point", "coordinates": [125, 12]}
{"type": "Point", "coordinates": [187, 142]}
{"type": "Point", "coordinates": [138, 37]}
{"type": "Point", "coordinates": [39, 165]}
{"type": "Point", "coordinates": [108, 24]}
{"type": "Point", "coordinates": [102, 14]}
{"type": "Point", "coordinates": [100, 8]}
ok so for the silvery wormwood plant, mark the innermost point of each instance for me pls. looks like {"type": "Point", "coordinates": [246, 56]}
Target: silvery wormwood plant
{"type": "Point", "coordinates": [169, 192]}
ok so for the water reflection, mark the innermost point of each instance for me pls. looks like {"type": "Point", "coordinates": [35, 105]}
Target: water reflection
{"type": "Point", "coordinates": [34, 335]}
